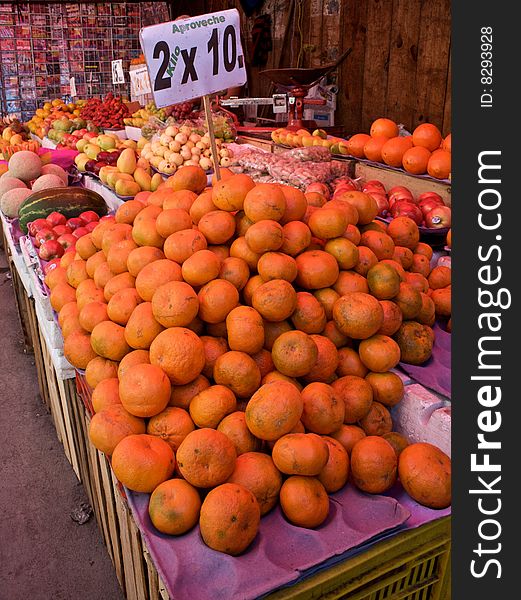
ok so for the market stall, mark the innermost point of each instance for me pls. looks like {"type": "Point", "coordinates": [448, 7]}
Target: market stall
{"type": "Point", "coordinates": [243, 339]}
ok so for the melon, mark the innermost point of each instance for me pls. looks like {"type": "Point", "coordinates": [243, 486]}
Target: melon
{"type": "Point", "coordinates": [12, 200]}
{"type": "Point", "coordinates": [25, 165]}
{"type": "Point", "coordinates": [47, 182]}
{"type": "Point", "coordinates": [10, 183]}
{"type": "Point", "coordinates": [52, 169]}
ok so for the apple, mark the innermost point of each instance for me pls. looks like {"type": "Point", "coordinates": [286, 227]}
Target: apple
{"type": "Point", "coordinates": [45, 235]}
{"type": "Point", "coordinates": [80, 232]}
{"type": "Point", "coordinates": [90, 165]}
{"type": "Point", "coordinates": [36, 225]}
{"type": "Point", "coordinates": [56, 218]}
{"type": "Point", "coordinates": [401, 195]}
{"type": "Point", "coordinates": [91, 226]}
{"type": "Point", "coordinates": [61, 229]}
{"type": "Point", "coordinates": [407, 209]}
{"type": "Point", "coordinates": [427, 204]}
{"type": "Point", "coordinates": [71, 248]}
{"type": "Point", "coordinates": [319, 187]}
{"type": "Point", "coordinates": [75, 222]}
{"type": "Point", "coordinates": [88, 216]}
{"type": "Point", "coordinates": [438, 217]}
{"type": "Point", "coordinates": [383, 203]}
{"type": "Point", "coordinates": [374, 184]}
{"type": "Point", "coordinates": [51, 265]}
{"type": "Point", "coordinates": [67, 240]}
{"type": "Point", "coordinates": [430, 195]}
{"type": "Point", "coordinates": [108, 218]}
{"type": "Point", "coordinates": [50, 249]}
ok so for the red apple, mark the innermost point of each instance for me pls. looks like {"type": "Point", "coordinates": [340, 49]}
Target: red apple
{"type": "Point", "coordinates": [108, 218]}
{"type": "Point", "coordinates": [345, 186]}
{"type": "Point", "coordinates": [56, 218]}
{"type": "Point", "coordinates": [45, 235]}
{"type": "Point", "coordinates": [80, 232]}
{"type": "Point", "coordinates": [319, 187]}
{"type": "Point", "coordinates": [399, 188]}
{"type": "Point", "coordinates": [75, 222]}
{"type": "Point", "coordinates": [438, 217]}
{"type": "Point", "coordinates": [398, 195]}
{"type": "Point", "coordinates": [430, 195]}
{"type": "Point", "coordinates": [91, 226]}
{"type": "Point", "coordinates": [36, 225]}
{"type": "Point", "coordinates": [89, 216]}
{"type": "Point", "coordinates": [51, 265]}
{"type": "Point", "coordinates": [61, 229]}
{"type": "Point", "coordinates": [383, 203]}
{"type": "Point", "coordinates": [407, 209]}
{"type": "Point", "coordinates": [374, 183]}
{"type": "Point", "coordinates": [66, 240]}
{"type": "Point", "coordinates": [50, 249]}
{"type": "Point", "coordinates": [427, 204]}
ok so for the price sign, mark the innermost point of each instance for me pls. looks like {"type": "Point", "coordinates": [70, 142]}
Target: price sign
{"type": "Point", "coordinates": [139, 81]}
{"type": "Point", "coordinates": [117, 72]}
{"type": "Point", "coordinates": [72, 84]}
{"type": "Point", "coordinates": [193, 57]}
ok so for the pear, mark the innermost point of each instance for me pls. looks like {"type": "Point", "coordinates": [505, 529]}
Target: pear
{"type": "Point", "coordinates": [104, 172]}
{"type": "Point", "coordinates": [143, 179]}
{"type": "Point", "coordinates": [127, 188]}
{"type": "Point", "coordinates": [127, 161]}
{"type": "Point", "coordinates": [113, 176]}
{"type": "Point", "coordinates": [155, 182]}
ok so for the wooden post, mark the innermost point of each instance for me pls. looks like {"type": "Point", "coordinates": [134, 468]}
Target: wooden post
{"type": "Point", "coordinates": [209, 124]}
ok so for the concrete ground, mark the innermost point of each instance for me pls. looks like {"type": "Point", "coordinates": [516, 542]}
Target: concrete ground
{"type": "Point", "coordinates": [44, 553]}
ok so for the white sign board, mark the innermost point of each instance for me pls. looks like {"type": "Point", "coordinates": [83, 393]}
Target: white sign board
{"type": "Point", "coordinates": [139, 81]}
{"type": "Point", "coordinates": [194, 57]}
{"type": "Point", "coordinates": [72, 84]}
{"type": "Point", "coordinates": [117, 72]}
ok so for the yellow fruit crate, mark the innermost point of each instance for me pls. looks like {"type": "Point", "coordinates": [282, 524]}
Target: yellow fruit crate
{"type": "Point", "coordinates": [412, 565]}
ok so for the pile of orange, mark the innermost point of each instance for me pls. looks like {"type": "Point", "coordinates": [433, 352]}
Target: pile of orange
{"type": "Point", "coordinates": [423, 152]}
{"type": "Point", "coordinates": [239, 343]}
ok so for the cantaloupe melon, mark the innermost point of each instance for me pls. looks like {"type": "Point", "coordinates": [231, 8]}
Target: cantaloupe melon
{"type": "Point", "coordinates": [25, 165]}
{"type": "Point", "coordinates": [52, 169]}
{"type": "Point", "coordinates": [12, 200]}
{"type": "Point", "coordinates": [49, 181]}
{"type": "Point", "coordinates": [10, 183]}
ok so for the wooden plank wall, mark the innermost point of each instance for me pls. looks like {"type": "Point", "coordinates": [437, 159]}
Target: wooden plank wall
{"type": "Point", "coordinates": [399, 66]}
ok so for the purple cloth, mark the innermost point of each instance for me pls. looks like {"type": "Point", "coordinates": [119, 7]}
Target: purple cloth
{"type": "Point", "coordinates": [281, 553]}
{"type": "Point", "coordinates": [436, 372]}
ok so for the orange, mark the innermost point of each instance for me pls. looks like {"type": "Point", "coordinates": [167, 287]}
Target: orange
{"type": "Point", "coordinates": [355, 144]}
{"type": "Point", "coordinates": [77, 349]}
{"type": "Point", "coordinates": [308, 316]}
{"type": "Point", "coordinates": [377, 421]}
{"type": "Point", "coordinates": [336, 471]}
{"type": "Point", "coordinates": [99, 369]}
{"type": "Point", "coordinates": [420, 264]}
{"type": "Point", "coordinates": [213, 348]}
{"type": "Point", "coordinates": [294, 353]}
{"type": "Point", "coordinates": [300, 454]}
{"type": "Point", "coordinates": [408, 300]}
{"type": "Point", "coordinates": [155, 274]}
{"type": "Point", "coordinates": [128, 211]}
{"type": "Point", "coordinates": [296, 237]}
{"type": "Point", "coordinates": [118, 255]}
{"type": "Point", "coordinates": [235, 270]}
{"type": "Point", "coordinates": [188, 178]}
{"type": "Point", "coordinates": [383, 281]}
{"type": "Point", "coordinates": [394, 149]}
{"type": "Point", "coordinates": [403, 256]}
{"type": "Point", "coordinates": [357, 396]}
{"type": "Point", "coordinates": [275, 300]}
{"type": "Point", "coordinates": [264, 361]}
{"type": "Point", "coordinates": [348, 436]}
{"type": "Point", "coordinates": [264, 201]}
{"type": "Point", "coordinates": [61, 294]}
{"type": "Point", "coordinates": [323, 412]}
{"type": "Point", "coordinates": [172, 220]}
{"type": "Point", "coordinates": [427, 136]}
{"type": "Point", "coordinates": [387, 387]}
{"type": "Point", "coordinates": [172, 425]}
{"type": "Point", "coordinates": [350, 281]}
{"type": "Point", "coordinates": [439, 165]}
{"type": "Point", "coordinates": [216, 299]}
{"type": "Point", "coordinates": [144, 390]}
{"type": "Point", "coordinates": [140, 257]}
{"type": "Point", "coordinates": [345, 252]}
{"type": "Point", "coordinates": [141, 462]}
{"type": "Point", "coordinates": [238, 371]}
{"type": "Point", "coordinates": [136, 357]}
{"type": "Point", "coordinates": [209, 407]}
{"type": "Point", "coordinates": [106, 392]}
{"type": "Point", "coordinates": [316, 269]}
{"type": "Point", "coordinates": [415, 160]}
{"type": "Point", "coordinates": [393, 318]}
{"type": "Point", "coordinates": [373, 465]}
{"type": "Point", "coordinates": [415, 341]}
{"type": "Point", "coordinates": [84, 247]}
{"type": "Point", "coordinates": [182, 199]}
{"type": "Point", "coordinates": [427, 314]}
{"type": "Point", "coordinates": [240, 249]}
{"type": "Point", "coordinates": [423, 248]}
{"type": "Point", "coordinates": [202, 204]}
{"type": "Point", "coordinates": [365, 205]}
{"type": "Point", "coordinates": [245, 329]}
{"type": "Point", "coordinates": [72, 324]}
{"type": "Point", "coordinates": [398, 441]}
{"type": "Point", "coordinates": [182, 395]}
{"type": "Point", "coordinates": [264, 235]}
{"type": "Point", "coordinates": [439, 277]}
{"type": "Point", "coordinates": [358, 315]}
{"type": "Point", "coordinates": [57, 275]}
{"type": "Point", "coordinates": [383, 126]}
{"type": "Point", "coordinates": [180, 353]}
{"type": "Point", "coordinates": [272, 330]}
{"type": "Point", "coordinates": [327, 360]}
{"type": "Point", "coordinates": [230, 518]}
{"type": "Point", "coordinates": [273, 410]}
{"type": "Point", "coordinates": [234, 427]}
{"type": "Point", "coordinates": [276, 265]}
{"type": "Point", "coordinates": [379, 353]}
{"type": "Point", "coordinates": [206, 457]}
{"type": "Point", "coordinates": [304, 501]}
{"type": "Point", "coordinates": [142, 327]}
{"type": "Point", "coordinates": [447, 143]}
{"type": "Point", "coordinates": [217, 226]}
{"type": "Point", "coordinates": [373, 147]}
{"type": "Point", "coordinates": [296, 204]}
{"type": "Point", "coordinates": [182, 244]}
{"type": "Point", "coordinates": [229, 194]}
{"type": "Point", "coordinates": [417, 281]}
{"type": "Point", "coordinates": [122, 304]}
{"type": "Point", "coordinates": [366, 259]}
{"type": "Point", "coordinates": [174, 507]}
{"type": "Point", "coordinates": [117, 283]}
{"type": "Point", "coordinates": [425, 473]}
{"type": "Point", "coordinates": [327, 223]}
{"type": "Point", "coordinates": [327, 298]}
{"type": "Point", "coordinates": [175, 304]}
{"type": "Point", "coordinates": [109, 426]}
{"type": "Point", "coordinates": [257, 473]}
{"type": "Point", "coordinates": [349, 363]}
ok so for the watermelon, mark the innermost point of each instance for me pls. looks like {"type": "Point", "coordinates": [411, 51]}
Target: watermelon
{"type": "Point", "coordinates": [69, 201]}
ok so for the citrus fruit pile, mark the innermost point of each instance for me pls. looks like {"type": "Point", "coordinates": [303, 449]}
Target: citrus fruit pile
{"type": "Point", "coordinates": [239, 344]}
{"type": "Point", "coordinates": [423, 152]}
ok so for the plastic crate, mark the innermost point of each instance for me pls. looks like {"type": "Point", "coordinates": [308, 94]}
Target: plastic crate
{"type": "Point", "coordinates": [413, 565]}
